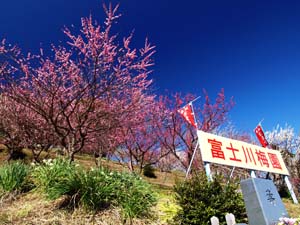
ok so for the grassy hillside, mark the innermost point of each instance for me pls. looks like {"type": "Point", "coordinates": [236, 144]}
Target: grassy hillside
{"type": "Point", "coordinates": [32, 208]}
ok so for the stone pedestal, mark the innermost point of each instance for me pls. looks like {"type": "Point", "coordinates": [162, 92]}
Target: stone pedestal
{"type": "Point", "coordinates": [263, 203]}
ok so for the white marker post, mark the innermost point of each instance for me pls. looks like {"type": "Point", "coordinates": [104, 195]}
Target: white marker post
{"type": "Point", "coordinates": [252, 174]}
{"type": "Point", "coordinates": [289, 185]}
{"type": "Point", "coordinates": [207, 170]}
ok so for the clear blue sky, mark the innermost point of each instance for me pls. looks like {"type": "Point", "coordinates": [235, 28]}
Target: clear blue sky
{"type": "Point", "coordinates": [249, 48]}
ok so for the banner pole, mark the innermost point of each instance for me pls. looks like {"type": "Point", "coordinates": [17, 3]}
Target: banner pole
{"type": "Point", "coordinates": [252, 174]}
{"type": "Point", "coordinates": [289, 185]}
{"type": "Point", "coordinates": [207, 170]}
{"type": "Point", "coordinates": [231, 174]}
{"type": "Point", "coordinates": [192, 101]}
{"type": "Point", "coordinates": [191, 162]}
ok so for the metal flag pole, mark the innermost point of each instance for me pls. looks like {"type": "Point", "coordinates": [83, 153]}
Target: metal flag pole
{"type": "Point", "coordinates": [191, 162]}
{"type": "Point", "coordinates": [206, 164]}
{"type": "Point", "coordinates": [197, 144]}
{"type": "Point", "coordinates": [261, 122]}
{"type": "Point", "coordinates": [289, 185]}
{"type": "Point", "coordinates": [192, 101]}
{"type": "Point", "coordinates": [191, 104]}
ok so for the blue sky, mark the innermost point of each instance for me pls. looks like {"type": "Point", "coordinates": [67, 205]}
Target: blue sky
{"type": "Point", "coordinates": [249, 48]}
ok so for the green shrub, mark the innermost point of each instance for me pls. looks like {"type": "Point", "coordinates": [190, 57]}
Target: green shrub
{"type": "Point", "coordinates": [97, 189]}
{"type": "Point", "coordinates": [101, 188]}
{"type": "Point", "coordinates": [134, 195]}
{"type": "Point", "coordinates": [14, 177]}
{"type": "Point", "coordinates": [94, 189]}
{"type": "Point", "coordinates": [57, 177]}
{"type": "Point", "coordinates": [148, 171]}
{"type": "Point", "coordinates": [200, 199]}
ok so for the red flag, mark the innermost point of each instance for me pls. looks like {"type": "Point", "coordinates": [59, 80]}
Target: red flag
{"type": "Point", "coordinates": [261, 136]}
{"type": "Point", "coordinates": [188, 115]}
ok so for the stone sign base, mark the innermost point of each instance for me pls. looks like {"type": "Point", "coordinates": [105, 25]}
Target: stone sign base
{"type": "Point", "coordinates": [263, 203]}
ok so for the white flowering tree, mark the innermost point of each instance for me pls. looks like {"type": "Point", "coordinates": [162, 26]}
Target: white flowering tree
{"type": "Point", "coordinates": [284, 138]}
{"type": "Point", "coordinates": [288, 142]}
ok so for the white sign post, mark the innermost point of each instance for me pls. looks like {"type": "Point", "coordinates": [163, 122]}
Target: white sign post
{"type": "Point", "coordinates": [289, 185]}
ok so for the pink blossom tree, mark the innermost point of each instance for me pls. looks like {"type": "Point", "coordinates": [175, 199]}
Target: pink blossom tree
{"type": "Point", "coordinates": [10, 124]}
{"type": "Point", "coordinates": [140, 144]}
{"type": "Point", "coordinates": [21, 128]}
{"type": "Point", "coordinates": [87, 89]}
{"type": "Point", "coordinates": [178, 137]}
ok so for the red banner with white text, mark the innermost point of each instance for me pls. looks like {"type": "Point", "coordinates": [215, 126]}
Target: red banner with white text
{"type": "Point", "coordinates": [188, 114]}
{"type": "Point", "coordinates": [261, 136]}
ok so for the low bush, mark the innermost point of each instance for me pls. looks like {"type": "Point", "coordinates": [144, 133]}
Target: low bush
{"type": "Point", "coordinates": [94, 189]}
{"type": "Point", "coordinates": [57, 177]}
{"type": "Point", "coordinates": [200, 199]}
{"type": "Point", "coordinates": [97, 189]}
{"type": "Point", "coordinates": [14, 177]}
{"type": "Point", "coordinates": [134, 195]}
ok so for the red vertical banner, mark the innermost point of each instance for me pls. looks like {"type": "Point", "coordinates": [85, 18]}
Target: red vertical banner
{"type": "Point", "coordinates": [261, 136]}
{"type": "Point", "coordinates": [188, 114]}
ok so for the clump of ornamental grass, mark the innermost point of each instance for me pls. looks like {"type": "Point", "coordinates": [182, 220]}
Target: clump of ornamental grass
{"type": "Point", "coordinates": [94, 189]}
{"type": "Point", "coordinates": [55, 178]}
{"type": "Point", "coordinates": [14, 178]}
{"type": "Point", "coordinates": [134, 195]}
{"type": "Point", "coordinates": [98, 189]}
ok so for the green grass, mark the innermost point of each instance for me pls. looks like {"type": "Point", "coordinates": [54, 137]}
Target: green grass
{"type": "Point", "coordinates": [14, 177]}
{"type": "Point", "coordinates": [32, 207]}
{"type": "Point", "coordinates": [94, 189]}
{"type": "Point", "coordinates": [293, 209]}
{"type": "Point", "coordinates": [166, 207]}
